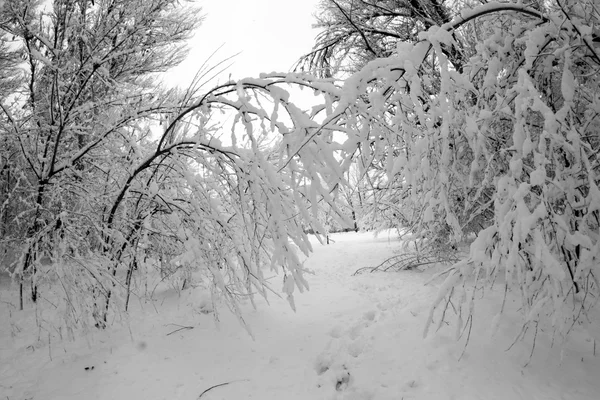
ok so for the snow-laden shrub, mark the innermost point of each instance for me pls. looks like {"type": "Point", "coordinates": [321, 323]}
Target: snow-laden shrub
{"type": "Point", "coordinates": [501, 142]}
{"type": "Point", "coordinates": [514, 135]}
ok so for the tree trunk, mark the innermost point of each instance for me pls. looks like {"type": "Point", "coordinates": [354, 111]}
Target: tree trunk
{"type": "Point", "coordinates": [132, 266]}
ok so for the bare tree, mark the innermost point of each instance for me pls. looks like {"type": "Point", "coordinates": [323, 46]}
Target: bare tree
{"type": "Point", "coordinates": [89, 69]}
{"type": "Point", "coordinates": [354, 32]}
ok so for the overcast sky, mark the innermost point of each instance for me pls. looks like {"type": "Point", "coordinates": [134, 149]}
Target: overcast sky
{"type": "Point", "coordinates": [270, 34]}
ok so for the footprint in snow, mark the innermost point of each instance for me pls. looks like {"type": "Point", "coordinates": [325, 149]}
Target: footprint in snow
{"type": "Point", "coordinates": [323, 363]}
{"type": "Point", "coordinates": [330, 365]}
{"type": "Point", "coordinates": [357, 330]}
{"type": "Point", "coordinates": [355, 348]}
{"type": "Point", "coordinates": [370, 315]}
{"type": "Point", "coordinates": [336, 332]}
{"type": "Point", "coordinates": [343, 379]}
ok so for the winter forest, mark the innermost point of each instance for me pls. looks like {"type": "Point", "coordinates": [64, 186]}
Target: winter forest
{"type": "Point", "coordinates": [411, 211]}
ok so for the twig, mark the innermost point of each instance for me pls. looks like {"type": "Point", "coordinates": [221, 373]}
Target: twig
{"type": "Point", "coordinates": [521, 334]}
{"type": "Point", "coordinates": [470, 322]}
{"type": "Point", "coordinates": [180, 329]}
{"type": "Point", "coordinates": [220, 384]}
{"type": "Point", "coordinates": [439, 274]}
{"type": "Point", "coordinates": [49, 347]}
{"type": "Point", "coordinates": [532, 347]}
{"type": "Point", "coordinates": [449, 302]}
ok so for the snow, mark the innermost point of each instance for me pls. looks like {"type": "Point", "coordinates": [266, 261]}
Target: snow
{"type": "Point", "coordinates": [352, 337]}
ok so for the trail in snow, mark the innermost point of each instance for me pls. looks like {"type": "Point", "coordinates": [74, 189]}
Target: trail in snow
{"type": "Point", "coordinates": [352, 337]}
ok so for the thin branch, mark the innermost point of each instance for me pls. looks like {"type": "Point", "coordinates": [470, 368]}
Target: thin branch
{"type": "Point", "coordinates": [180, 329]}
{"type": "Point", "coordinates": [360, 32]}
{"type": "Point", "coordinates": [221, 384]}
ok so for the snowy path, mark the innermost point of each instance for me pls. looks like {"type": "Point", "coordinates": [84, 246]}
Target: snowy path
{"type": "Point", "coordinates": [352, 338]}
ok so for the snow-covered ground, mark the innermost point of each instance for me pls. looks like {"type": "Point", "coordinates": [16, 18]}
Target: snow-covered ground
{"type": "Point", "coordinates": [352, 337]}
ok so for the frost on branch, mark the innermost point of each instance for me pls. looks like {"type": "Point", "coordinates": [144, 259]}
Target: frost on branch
{"type": "Point", "coordinates": [520, 124]}
{"type": "Point", "coordinates": [487, 127]}
{"type": "Point", "coordinates": [237, 199]}
{"type": "Point", "coordinates": [107, 178]}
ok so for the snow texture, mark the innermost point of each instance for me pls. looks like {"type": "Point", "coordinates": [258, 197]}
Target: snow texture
{"type": "Point", "coordinates": [352, 337]}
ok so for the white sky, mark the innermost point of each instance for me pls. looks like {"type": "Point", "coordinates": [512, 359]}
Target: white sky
{"type": "Point", "coordinates": [270, 34]}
